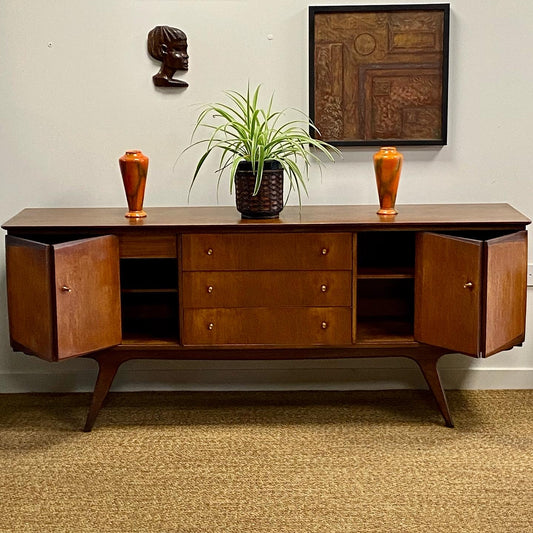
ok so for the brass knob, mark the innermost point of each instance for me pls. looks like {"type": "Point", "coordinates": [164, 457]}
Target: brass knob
{"type": "Point", "coordinates": [324, 325]}
{"type": "Point", "coordinates": [325, 251]}
{"type": "Point", "coordinates": [468, 285]}
{"type": "Point", "coordinates": [209, 251]}
{"type": "Point", "coordinates": [65, 288]}
{"type": "Point", "coordinates": [210, 326]}
{"type": "Point", "coordinates": [210, 289]}
{"type": "Point", "coordinates": [323, 288]}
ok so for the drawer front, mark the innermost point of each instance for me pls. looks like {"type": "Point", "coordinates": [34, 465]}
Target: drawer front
{"type": "Point", "coordinates": [302, 326]}
{"type": "Point", "coordinates": [147, 245]}
{"type": "Point", "coordinates": [267, 289]}
{"type": "Point", "coordinates": [267, 251]}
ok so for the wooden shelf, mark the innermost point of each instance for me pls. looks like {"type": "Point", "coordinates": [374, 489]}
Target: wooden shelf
{"type": "Point", "coordinates": [136, 339]}
{"type": "Point", "coordinates": [386, 273]}
{"type": "Point", "coordinates": [150, 291]}
{"type": "Point", "coordinates": [384, 331]}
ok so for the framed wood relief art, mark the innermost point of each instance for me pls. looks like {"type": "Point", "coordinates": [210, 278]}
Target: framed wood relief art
{"type": "Point", "coordinates": [379, 74]}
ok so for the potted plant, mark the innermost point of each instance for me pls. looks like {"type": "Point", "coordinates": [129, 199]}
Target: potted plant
{"type": "Point", "coordinates": [258, 146]}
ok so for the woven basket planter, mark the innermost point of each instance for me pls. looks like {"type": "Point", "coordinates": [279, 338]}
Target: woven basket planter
{"type": "Point", "coordinates": [268, 202]}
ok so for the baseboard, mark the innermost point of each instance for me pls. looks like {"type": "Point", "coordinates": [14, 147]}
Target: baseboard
{"type": "Point", "coordinates": [267, 377]}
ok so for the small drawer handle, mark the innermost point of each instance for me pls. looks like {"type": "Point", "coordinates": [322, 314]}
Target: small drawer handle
{"type": "Point", "coordinates": [209, 251]}
{"type": "Point", "coordinates": [323, 288]}
{"type": "Point", "coordinates": [210, 326]}
{"type": "Point", "coordinates": [66, 288]}
{"type": "Point", "coordinates": [210, 289]}
{"type": "Point", "coordinates": [324, 325]}
{"type": "Point", "coordinates": [468, 285]}
{"type": "Point", "coordinates": [325, 251]}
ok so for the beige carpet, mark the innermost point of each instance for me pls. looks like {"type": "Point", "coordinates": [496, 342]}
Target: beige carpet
{"type": "Point", "coordinates": [268, 462]}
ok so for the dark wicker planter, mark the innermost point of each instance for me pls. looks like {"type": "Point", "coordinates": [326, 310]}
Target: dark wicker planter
{"type": "Point", "coordinates": [268, 202]}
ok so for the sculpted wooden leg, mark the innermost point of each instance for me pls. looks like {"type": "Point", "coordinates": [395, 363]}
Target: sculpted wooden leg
{"type": "Point", "coordinates": [108, 366]}
{"type": "Point", "coordinates": [428, 366]}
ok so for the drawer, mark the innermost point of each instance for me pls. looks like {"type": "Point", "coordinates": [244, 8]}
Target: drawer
{"type": "Point", "coordinates": [147, 245]}
{"type": "Point", "coordinates": [327, 288]}
{"type": "Point", "coordinates": [302, 326]}
{"type": "Point", "coordinates": [267, 251]}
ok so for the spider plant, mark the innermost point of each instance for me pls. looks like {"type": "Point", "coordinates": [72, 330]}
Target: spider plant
{"type": "Point", "coordinates": [243, 131]}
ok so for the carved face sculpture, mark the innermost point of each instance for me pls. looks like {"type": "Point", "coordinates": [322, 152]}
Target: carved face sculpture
{"type": "Point", "coordinates": [175, 55]}
{"type": "Point", "coordinates": [168, 45]}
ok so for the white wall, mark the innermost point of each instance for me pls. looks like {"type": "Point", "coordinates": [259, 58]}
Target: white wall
{"type": "Point", "coordinates": [76, 92]}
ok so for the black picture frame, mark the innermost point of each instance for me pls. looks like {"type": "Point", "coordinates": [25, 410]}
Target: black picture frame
{"type": "Point", "coordinates": [378, 75]}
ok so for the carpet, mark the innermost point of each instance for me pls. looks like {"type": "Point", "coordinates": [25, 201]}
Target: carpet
{"type": "Point", "coordinates": [276, 462]}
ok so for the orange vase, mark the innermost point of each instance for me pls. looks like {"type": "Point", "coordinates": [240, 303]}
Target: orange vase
{"type": "Point", "coordinates": [134, 167]}
{"type": "Point", "coordinates": [388, 166]}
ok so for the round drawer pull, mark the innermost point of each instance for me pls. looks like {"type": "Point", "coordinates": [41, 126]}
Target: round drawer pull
{"type": "Point", "coordinates": [323, 288]}
{"type": "Point", "coordinates": [210, 326]}
{"type": "Point", "coordinates": [209, 251]}
{"type": "Point", "coordinates": [210, 289]}
{"type": "Point", "coordinates": [325, 251]}
{"type": "Point", "coordinates": [324, 325]}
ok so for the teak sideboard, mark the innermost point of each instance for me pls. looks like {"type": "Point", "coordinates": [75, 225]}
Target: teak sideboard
{"type": "Point", "coordinates": [320, 282]}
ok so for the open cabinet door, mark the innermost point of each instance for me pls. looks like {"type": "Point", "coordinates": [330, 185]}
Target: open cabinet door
{"type": "Point", "coordinates": [29, 297]}
{"type": "Point", "coordinates": [470, 295]}
{"type": "Point", "coordinates": [448, 292]}
{"type": "Point", "coordinates": [63, 299]}
{"type": "Point", "coordinates": [505, 322]}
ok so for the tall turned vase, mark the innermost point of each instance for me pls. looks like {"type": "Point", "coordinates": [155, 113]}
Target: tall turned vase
{"type": "Point", "coordinates": [388, 166]}
{"type": "Point", "coordinates": [134, 167]}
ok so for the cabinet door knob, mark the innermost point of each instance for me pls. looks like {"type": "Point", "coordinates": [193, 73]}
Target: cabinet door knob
{"type": "Point", "coordinates": [468, 285]}
{"type": "Point", "coordinates": [325, 251]}
{"type": "Point", "coordinates": [66, 288]}
{"type": "Point", "coordinates": [210, 289]}
{"type": "Point", "coordinates": [324, 325]}
{"type": "Point", "coordinates": [323, 288]}
{"type": "Point", "coordinates": [209, 251]}
{"type": "Point", "coordinates": [210, 326]}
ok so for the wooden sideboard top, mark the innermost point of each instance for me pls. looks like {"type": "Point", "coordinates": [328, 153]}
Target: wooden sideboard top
{"type": "Point", "coordinates": [323, 217]}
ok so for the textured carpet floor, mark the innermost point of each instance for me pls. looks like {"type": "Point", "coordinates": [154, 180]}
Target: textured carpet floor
{"type": "Point", "coordinates": [268, 462]}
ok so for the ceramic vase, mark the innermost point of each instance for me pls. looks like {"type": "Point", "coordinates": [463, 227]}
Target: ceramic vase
{"type": "Point", "coordinates": [134, 167]}
{"type": "Point", "coordinates": [388, 166]}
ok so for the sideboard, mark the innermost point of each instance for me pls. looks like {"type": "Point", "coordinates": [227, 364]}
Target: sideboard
{"type": "Point", "coordinates": [320, 282]}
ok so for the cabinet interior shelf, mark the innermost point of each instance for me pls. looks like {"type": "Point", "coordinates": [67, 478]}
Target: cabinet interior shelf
{"type": "Point", "coordinates": [148, 340]}
{"type": "Point", "coordinates": [384, 331]}
{"type": "Point", "coordinates": [386, 273]}
{"type": "Point", "coordinates": [150, 291]}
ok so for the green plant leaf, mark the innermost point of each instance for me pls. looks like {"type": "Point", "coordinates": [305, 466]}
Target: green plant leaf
{"type": "Point", "coordinates": [241, 130]}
